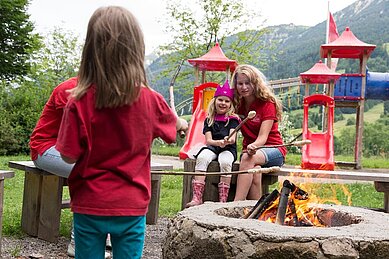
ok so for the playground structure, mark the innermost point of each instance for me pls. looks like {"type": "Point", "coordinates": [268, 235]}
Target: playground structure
{"type": "Point", "coordinates": [349, 46]}
{"type": "Point", "coordinates": [347, 90]}
{"type": "Point", "coordinates": [214, 60]}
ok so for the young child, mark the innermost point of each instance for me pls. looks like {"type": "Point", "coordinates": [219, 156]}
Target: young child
{"type": "Point", "coordinates": [220, 122]}
{"type": "Point", "coordinates": [107, 130]}
{"type": "Point", "coordinates": [254, 94]}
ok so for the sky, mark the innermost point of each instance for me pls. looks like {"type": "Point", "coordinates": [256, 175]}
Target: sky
{"type": "Point", "coordinates": [73, 15]}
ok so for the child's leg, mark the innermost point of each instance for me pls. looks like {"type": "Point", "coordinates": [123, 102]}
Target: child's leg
{"type": "Point", "coordinates": [52, 162]}
{"type": "Point", "coordinates": [90, 236]}
{"type": "Point", "coordinates": [270, 157]}
{"type": "Point", "coordinates": [203, 159]}
{"type": "Point", "coordinates": [245, 182]}
{"type": "Point", "coordinates": [226, 159]}
{"type": "Point", "coordinates": [127, 236]}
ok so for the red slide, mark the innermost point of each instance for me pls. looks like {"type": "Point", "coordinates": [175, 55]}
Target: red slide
{"type": "Point", "coordinates": [195, 138]}
{"type": "Point", "coordinates": [319, 155]}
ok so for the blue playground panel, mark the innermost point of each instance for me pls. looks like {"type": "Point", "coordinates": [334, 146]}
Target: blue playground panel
{"type": "Point", "coordinates": [349, 87]}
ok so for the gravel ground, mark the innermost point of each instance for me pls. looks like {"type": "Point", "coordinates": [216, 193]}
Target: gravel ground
{"type": "Point", "coordinates": [29, 247]}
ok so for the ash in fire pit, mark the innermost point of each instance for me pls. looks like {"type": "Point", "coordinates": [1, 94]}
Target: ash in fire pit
{"type": "Point", "coordinates": [217, 230]}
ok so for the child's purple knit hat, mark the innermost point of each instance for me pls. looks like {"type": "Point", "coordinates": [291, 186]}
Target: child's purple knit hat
{"type": "Point", "coordinates": [225, 90]}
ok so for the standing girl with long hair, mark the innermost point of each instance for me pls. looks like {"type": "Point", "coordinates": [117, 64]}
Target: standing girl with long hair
{"type": "Point", "coordinates": [107, 129]}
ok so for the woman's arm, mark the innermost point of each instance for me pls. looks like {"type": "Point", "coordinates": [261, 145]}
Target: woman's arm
{"type": "Point", "coordinates": [262, 136]}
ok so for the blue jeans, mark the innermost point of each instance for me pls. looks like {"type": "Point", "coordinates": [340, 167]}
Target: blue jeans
{"type": "Point", "coordinates": [52, 162]}
{"type": "Point", "coordinates": [273, 157]}
{"type": "Point", "coordinates": [127, 236]}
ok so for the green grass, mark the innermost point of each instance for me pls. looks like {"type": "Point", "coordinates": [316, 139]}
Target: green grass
{"type": "Point", "coordinates": [362, 194]}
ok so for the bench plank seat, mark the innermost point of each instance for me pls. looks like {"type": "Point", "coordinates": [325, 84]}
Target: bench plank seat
{"type": "Point", "coordinates": [344, 175]}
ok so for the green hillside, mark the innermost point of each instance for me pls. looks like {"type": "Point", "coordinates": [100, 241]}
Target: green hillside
{"type": "Point", "coordinates": [371, 116]}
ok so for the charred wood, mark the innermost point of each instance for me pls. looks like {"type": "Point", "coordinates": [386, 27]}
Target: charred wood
{"type": "Point", "coordinates": [269, 199]}
{"type": "Point", "coordinates": [283, 204]}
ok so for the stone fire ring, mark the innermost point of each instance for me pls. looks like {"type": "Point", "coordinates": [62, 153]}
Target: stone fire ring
{"type": "Point", "coordinates": [203, 232]}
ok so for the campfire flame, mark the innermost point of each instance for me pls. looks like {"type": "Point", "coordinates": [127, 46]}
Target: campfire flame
{"type": "Point", "coordinates": [293, 207]}
{"type": "Point", "coordinates": [305, 213]}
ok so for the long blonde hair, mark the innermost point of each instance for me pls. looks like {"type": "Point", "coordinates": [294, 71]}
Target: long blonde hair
{"type": "Point", "coordinates": [112, 58]}
{"type": "Point", "coordinates": [212, 112]}
{"type": "Point", "coordinates": [262, 89]}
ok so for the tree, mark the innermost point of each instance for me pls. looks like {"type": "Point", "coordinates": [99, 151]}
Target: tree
{"type": "Point", "coordinates": [195, 30]}
{"type": "Point", "coordinates": [17, 41]}
{"type": "Point", "coordinates": [22, 99]}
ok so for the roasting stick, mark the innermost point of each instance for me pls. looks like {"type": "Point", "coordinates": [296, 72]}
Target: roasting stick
{"type": "Point", "coordinates": [295, 144]}
{"type": "Point", "coordinates": [171, 95]}
{"type": "Point", "coordinates": [250, 171]}
{"type": "Point", "coordinates": [250, 116]}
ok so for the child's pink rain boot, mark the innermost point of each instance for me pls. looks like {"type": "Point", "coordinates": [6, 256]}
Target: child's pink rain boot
{"type": "Point", "coordinates": [224, 188]}
{"type": "Point", "coordinates": [198, 190]}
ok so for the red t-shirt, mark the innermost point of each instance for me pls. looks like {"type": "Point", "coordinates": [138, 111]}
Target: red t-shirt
{"type": "Point", "coordinates": [113, 148]}
{"type": "Point", "coordinates": [46, 130]}
{"type": "Point", "coordinates": [265, 110]}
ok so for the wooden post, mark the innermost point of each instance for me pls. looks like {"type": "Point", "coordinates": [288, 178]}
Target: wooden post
{"type": "Point", "coordinates": [152, 214]}
{"type": "Point", "coordinates": [360, 119]}
{"type": "Point", "coordinates": [383, 187]}
{"type": "Point", "coordinates": [31, 203]}
{"type": "Point", "coordinates": [3, 175]}
{"type": "Point", "coordinates": [50, 207]}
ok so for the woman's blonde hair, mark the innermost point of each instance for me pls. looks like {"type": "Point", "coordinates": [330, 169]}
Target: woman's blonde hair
{"type": "Point", "coordinates": [112, 58]}
{"type": "Point", "coordinates": [212, 112]}
{"type": "Point", "coordinates": [262, 89]}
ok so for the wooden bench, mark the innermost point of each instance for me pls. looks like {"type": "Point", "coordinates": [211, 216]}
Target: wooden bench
{"type": "Point", "coordinates": [42, 199]}
{"type": "Point", "coordinates": [3, 175]}
{"type": "Point", "coordinates": [379, 178]}
{"type": "Point", "coordinates": [211, 192]}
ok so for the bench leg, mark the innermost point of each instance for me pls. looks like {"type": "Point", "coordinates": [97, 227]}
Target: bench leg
{"type": "Point", "coordinates": [31, 203]}
{"type": "Point", "coordinates": [1, 210]}
{"type": "Point", "coordinates": [152, 214]}
{"type": "Point", "coordinates": [383, 187]}
{"type": "Point", "coordinates": [50, 209]}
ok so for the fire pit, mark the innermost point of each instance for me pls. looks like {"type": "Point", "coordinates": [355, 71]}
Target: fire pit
{"type": "Point", "coordinates": [216, 230]}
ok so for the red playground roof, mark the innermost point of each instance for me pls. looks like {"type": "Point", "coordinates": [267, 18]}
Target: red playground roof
{"type": "Point", "coordinates": [347, 46]}
{"type": "Point", "coordinates": [319, 74]}
{"type": "Point", "coordinates": [214, 60]}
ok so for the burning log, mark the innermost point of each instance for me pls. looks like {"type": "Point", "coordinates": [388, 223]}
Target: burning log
{"type": "Point", "coordinates": [292, 207]}
{"type": "Point", "coordinates": [297, 192]}
{"type": "Point", "coordinates": [283, 204]}
{"type": "Point", "coordinates": [288, 207]}
{"type": "Point", "coordinates": [263, 204]}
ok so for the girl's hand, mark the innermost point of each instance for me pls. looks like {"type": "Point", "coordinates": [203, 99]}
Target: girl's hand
{"type": "Point", "coordinates": [228, 141]}
{"type": "Point", "coordinates": [251, 149]}
{"type": "Point", "coordinates": [221, 143]}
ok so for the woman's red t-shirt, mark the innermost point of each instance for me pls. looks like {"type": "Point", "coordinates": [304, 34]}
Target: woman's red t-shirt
{"type": "Point", "coordinates": [265, 110]}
